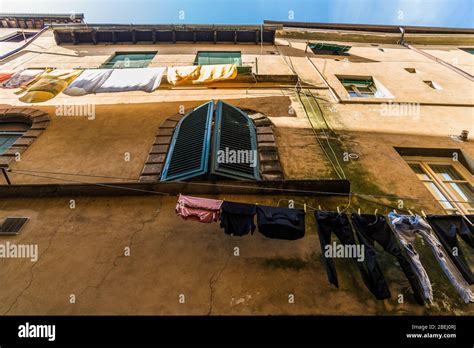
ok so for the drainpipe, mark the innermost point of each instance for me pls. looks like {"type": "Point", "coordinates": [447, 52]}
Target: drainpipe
{"type": "Point", "coordinates": [429, 56]}
{"type": "Point", "coordinates": [18, 49]}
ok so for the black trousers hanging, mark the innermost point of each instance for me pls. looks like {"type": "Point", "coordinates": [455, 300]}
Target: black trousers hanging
{"type": "Point", "coordinates": [446, 228]}
{"type": "Point", "coordinates": [371, 228]}
{"type": "Point", "coordinates": [338, 223]}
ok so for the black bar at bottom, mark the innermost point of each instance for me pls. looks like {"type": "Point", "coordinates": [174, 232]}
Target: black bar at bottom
{"type": "Point", "coordinates": [134, 330]}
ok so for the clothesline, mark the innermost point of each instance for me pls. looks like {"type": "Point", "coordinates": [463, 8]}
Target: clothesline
{"type": "Point", "coordinates": [288, 223]}
{"type": "Point", "coordinates": [40, 85]}
{"type": "Point", "coordinates": [350, 195]}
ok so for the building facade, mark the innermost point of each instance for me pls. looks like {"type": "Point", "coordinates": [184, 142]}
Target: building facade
{"type": "Point", "coordinates": [352, 118]}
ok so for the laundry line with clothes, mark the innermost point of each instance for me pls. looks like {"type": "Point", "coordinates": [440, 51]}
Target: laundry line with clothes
{"type": "Point", "coordinates": [395, 233]}
{"type": "Point", "coordinates": [40, 85]}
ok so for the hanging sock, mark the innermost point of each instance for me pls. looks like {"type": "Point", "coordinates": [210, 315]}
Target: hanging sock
{"type": "Point", "coordinates": [238, 218]}
{"type": "Point", "coordinates": [49, 85]}
{"type": "Point", "coordinates": [198, 209]}
{"type": "Point", "coordinates": [446, 228]}
{"type": "Point", "coordinates": [405, 227]}
{"type": "Point", "coordinates": [374, 228]}
{"type": "Point", "coordinates": [132, 79]}
{"type": "Point", "coordinates": [178, 75]}
{"type": "Point", "coordinates": [23, 78]}
{"type": "Point", "coordinates": [281, 223]}
{"type": "Point", "coordinates": [214, 73]}
{"type": "Point", "coordinates": [88, 82]}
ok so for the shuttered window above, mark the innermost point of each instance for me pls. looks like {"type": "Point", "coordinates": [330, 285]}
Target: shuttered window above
{"type": "Point", "coordinates": [232, 152]}
{"type": "Point", "coordinates": [327, 48]}
{"type": "Point", "coordinates": [188, 155]}
{"type": "Point", "coordinates": [235, 144]}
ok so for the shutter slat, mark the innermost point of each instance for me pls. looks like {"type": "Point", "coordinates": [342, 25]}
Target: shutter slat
{"type": "Point", "coordinates": [188, 154]}
{"type": "Point", "coordinates": [234, 131]}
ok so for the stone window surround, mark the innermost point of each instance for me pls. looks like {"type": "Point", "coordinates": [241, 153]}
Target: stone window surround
{"type": "Point", "coordinates": [38, 121]}
{"type": "Point", "coordinates": [270, 168]}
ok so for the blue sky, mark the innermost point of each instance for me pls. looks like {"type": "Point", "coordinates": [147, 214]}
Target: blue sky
{"type": "Point", "coordinates": [447, 13]}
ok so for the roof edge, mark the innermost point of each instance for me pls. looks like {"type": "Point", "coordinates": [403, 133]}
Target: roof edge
{"type": "Point", "coordinates": [372, 27]}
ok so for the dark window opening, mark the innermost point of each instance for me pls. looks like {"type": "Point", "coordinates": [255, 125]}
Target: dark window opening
{"type": "Point", "coordinates": [12, 226]}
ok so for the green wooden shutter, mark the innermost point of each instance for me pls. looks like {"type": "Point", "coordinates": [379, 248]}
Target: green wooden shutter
{"type": "Point", "coordinates": [188, 155]}
{"type": "Point", "coordinates": [7, 139]}
{"type": "Point", "coordinates": [234, 133]}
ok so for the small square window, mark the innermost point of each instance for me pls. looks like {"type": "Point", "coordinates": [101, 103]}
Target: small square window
{"type": "Point", "coordinates": [218, 57]}
{"type": "Point", "coordinates": [123, 60]}
{"type": "Point", "coordinates": [433, 84]}
{"type": "Point", "coordinates": [411, 70]}
{"type": "Point", "coordinates": [359, 87]}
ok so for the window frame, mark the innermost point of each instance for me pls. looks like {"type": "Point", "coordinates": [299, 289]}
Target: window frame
{"type": "Point", "coordinates": [425, 164]}
{"type": "Point", "coordinates": [115, 54]}
{"type": "Point", "coordinates": [352, 88]}
{"type": "Point", "coordinates": [196, 58]}
{"type": "Point", "coordinates": [209, 164]}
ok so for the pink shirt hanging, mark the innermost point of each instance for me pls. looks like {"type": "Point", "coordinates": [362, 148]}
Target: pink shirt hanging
{"type": "Point", "coordinates": [198, 209]}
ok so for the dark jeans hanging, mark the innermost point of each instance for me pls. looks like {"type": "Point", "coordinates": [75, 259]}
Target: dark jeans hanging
{"type": "Point", "coordinates": [446, 228]}
{"type": "Point", "coordinates": [338, 223]}
{"type": "Point", "coordinates": [371, 228]}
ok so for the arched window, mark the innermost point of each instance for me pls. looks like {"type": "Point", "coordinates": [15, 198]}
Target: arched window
{"type": "Point", "coordinates": [213, 143]}
{"type": "Point", "coordinates": [9, 133]}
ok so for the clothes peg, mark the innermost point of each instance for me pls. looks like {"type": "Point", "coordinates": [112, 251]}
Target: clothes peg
{"type": "Point", "coordinates": [410, 212]}
{"type": "Point", "coordinates": [423, 213]}
{"type": "Point", "coordinates": [358, 211]}
{"type": "Point", "coordinates": [375, 212]}
{"type": "Point", "coordinates": [338, 209]}
{"type": "Point", "coordinates": [319, 207]}
{"type": "Point", "coordinates": [304, 207]}
{"type": "Point", "coordinates": [395, 211]}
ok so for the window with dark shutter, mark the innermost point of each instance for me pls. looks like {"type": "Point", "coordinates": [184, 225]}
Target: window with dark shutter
{"type": "Point", "coordinates": [188, 155]}
{"type": "Point", "coordinates": [235, 144]}
{"type": "Point", "coordinates": [231, 153]}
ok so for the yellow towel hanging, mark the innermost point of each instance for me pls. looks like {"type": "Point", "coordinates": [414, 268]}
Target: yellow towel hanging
{"type": "Point", "coordinates": [49, 85]}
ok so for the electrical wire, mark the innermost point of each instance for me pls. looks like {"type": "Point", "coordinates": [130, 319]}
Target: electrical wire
{"type": "Point", "coordinates": [341, 174]}
{"type": "Point", "coordinates": [92, 183]}
{"type": "Point", "coordinates": [329, 193]}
